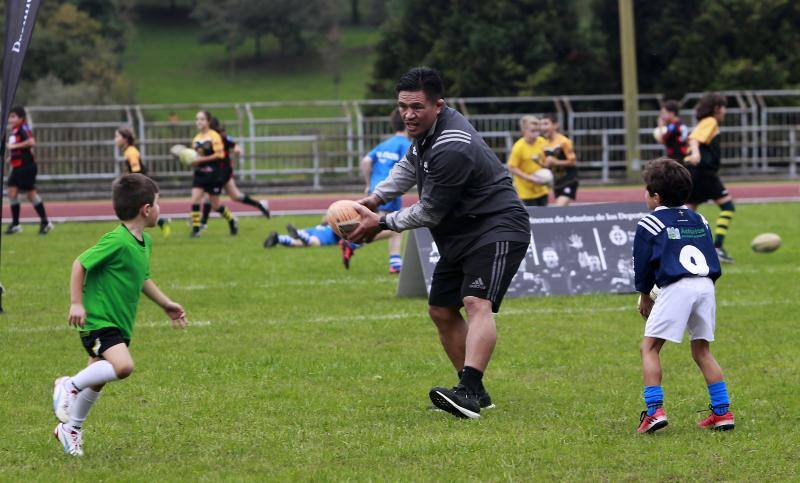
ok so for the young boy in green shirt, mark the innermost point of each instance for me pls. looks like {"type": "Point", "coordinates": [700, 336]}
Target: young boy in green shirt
{"type": "Point", "coordinates": [104, 292]}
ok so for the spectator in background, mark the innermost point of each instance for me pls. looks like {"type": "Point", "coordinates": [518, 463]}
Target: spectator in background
{"type": "Point", "coordinates": [527, 156]}
{"type": "Point", "coordinates": [671, 131]}
{"type": "Point", "coordinates": [703, 161]}
{"type": "Point", "coordinates": [375, 167]}
{"type": "Point", "coordinates": [560, 158]}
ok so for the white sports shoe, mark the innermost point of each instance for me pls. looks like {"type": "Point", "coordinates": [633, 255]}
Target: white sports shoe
{"type": "Point", "coordinates": [63, 398]}
{"type": "Point", "coordinates": [71, 440]}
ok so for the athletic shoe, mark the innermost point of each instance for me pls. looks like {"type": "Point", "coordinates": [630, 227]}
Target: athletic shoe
{"type": "Point", "coordinates": [203, 227]}
{"type": "Point", "coordinates": [459, 401]}
{"type": "Point", "coordinates": [723, 256]}
{"type": "Point", "coordinates": [166, 229]}
{"type": "Point", "coordinates": [71, 440]}
{"type": "Point", "coordinates": [484, 400]}
{"type": "Point", "coordinates": [651, 424]}
{"type": "Point", "coordinates": [716, 422]}
{"type": "Point", "coordinates": [265, 208]}
{"type": "Point", "coordinates": [347, 253]}
{"type": "Point", "coordinates": [45, 228]}
{"type": "Point", "coordinates": [394, 270]}
{"type": "Point", "coordinates": [63, 397]}
{"type": "Point", "coordinates": [13, 229]}
{"type": "Point", "coordinates": [292, 231]}
{"type": "Point", "coordinates": [194, 234]}
{"type": "Point", "coordinates": [233, 225]}
{"type": "Point", "coordinates": [271, 240]}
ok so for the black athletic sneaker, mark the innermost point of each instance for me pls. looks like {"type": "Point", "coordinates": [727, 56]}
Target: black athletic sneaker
{"type": "Point", "coordinates": [458, 401]}
{"type": "Point", "coordinates": [234, 226]}
{"type": "Point", "coordinates": [484, 400]}
{"type": "Point", "coordinates": [292, 231]}
{"type": "Point", "coordinates": [723, 256]}
{"type": "Point", "coordinates": [45, 228]}
{"type": "Point", "coordinates": [13, 229]}
{"type": "Point", "coordinates": [271, 240]}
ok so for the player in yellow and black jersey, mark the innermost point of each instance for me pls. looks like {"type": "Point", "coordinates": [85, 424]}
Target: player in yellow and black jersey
{"type": "Point", "coordinates": [126, 142]}
{"type": "Point", "coordinates": [227, 179]}
{"type": "Point", "coordinates": [207, 173]}
{"type": "Point", "coordinates": [560, 158]}
{"type": "Point", "coordinates": [703, 161]}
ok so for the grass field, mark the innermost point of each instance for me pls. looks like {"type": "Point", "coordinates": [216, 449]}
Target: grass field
{"type": "Point", "coordinates": [166, 64]}
{"type": "Point", "coordinates": [296, 369]}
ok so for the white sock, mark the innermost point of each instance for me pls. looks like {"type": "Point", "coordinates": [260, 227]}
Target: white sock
{"type": "Point", "coordinates": [80, 408]}
{"type": "Point", "coordinates": [95, 374]}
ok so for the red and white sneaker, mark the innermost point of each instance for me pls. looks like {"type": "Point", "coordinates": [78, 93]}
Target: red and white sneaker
{"type": "Point", "coordinates": [63, 397]}
{"type": "Point", "coordinates": [651, 424]}
{"type": "Point", "coordinates": [716, 422]}
{"type": "Point", "coordinates": [71, 440]}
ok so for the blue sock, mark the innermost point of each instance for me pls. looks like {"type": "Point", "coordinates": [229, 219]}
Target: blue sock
{"type": "Point", "coordinates": [354, 246]}
{"type": "Point", "coordinates": [304, 236]}
{"type": "Point", "coordinates": [719, 398]}
{"type": "Point", "coordinates": [654, 398]}
{"type": "Point", "coordinates": [285, 240]}
{"type": "Point", "coordinates": [395, 262]}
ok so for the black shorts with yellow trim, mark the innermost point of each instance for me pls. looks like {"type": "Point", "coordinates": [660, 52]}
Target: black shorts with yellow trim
{"type": "Point", "coordinates": [706, 185]}
{"type": "Point", "coordinates": [98, 341]}
{"type": "Point", "coordinates": [208, 179]}
{"type": "Point", "coordinates": [486, 273]}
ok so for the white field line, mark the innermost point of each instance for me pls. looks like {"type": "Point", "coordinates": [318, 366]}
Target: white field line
{"type": "Point", "coordinates": [419, 314]}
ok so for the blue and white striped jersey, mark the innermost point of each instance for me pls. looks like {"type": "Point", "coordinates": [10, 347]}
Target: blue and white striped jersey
{"type": "Point", "coordinates": [670, 244]}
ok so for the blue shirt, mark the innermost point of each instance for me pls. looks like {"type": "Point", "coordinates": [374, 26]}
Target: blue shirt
{"type": "Point", "coordinates": [384, 156]}
{"type": "Point", "coordinates": [670, 244]}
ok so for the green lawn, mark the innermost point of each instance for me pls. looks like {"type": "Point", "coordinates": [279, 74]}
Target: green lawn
{"type": "Point", "coordinates": [294, 369]}
{"type": "Point", "coordinates": [167, 64]}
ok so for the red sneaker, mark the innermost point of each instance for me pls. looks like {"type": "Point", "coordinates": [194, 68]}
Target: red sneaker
{"type": "Point", "coordinates": [651, 424]}
{"type": "Point", "coordinates": [347, 253]}
{"type": "Point", "coordinates": [716, 422]}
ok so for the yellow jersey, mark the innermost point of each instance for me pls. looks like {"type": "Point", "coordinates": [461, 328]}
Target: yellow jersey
{"type": "Point", "coordinates": [561, 148]}
{"type": "Point", "coordinates": [208, 144]}
{"type": "Point", "coordinates": [133, 159]}
{"type": "Point", "coordinates": [706, 133]}
{"type": "Point", "coordinates": [526, 157]}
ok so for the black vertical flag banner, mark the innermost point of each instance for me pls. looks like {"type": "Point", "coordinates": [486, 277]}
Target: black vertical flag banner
{"type": "Point", "coordinates": [20, 18]}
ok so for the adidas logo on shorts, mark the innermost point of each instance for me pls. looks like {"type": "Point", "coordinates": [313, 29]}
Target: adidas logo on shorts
{"type": "Point", "coordinates": [478, 283]}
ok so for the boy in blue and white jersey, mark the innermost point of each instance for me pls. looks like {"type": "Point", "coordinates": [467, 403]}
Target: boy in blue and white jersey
{"type": "Point", "coordinates": [673, 249]}
{"type": "Point", "coordinates": [376, 166]}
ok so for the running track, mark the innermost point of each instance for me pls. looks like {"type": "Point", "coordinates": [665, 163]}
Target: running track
{"type": "Point", "coordinates": [311, 204]}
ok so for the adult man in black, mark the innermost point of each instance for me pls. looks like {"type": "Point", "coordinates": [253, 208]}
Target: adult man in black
{"type": "Point", "coordinates": [479, 225]}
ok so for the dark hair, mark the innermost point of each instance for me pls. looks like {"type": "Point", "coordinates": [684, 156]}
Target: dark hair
{"type": "Point", "coordinates": [127, 134]}
{"type": "Point", "coordinates": [19, 111]}
{"type": "Point", "coordinates": [708, 104]}
{"type": "Point", "coordinates": [396, 121]}
{"type": "Point", "coordinates": [422, 79]}
{"type": "Point", "coordinates": [672, 106]}
{"type": "Point", "coordinates": [668, 178]}
{"type": "Point", "coordinates": [551, 116]}
{"type": "Point", "coordinates": [208, 116]}
{"type": "Point", "coordinates": [130, 192]}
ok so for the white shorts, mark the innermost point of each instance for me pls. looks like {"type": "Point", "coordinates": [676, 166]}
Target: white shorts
{"type": "Point", "coordinates": [690, 304]}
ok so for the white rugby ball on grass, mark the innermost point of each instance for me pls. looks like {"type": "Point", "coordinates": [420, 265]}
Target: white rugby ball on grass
{"type": "Point", "coordinates": [765, 243]}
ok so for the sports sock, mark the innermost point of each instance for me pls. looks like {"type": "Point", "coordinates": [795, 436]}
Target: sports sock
{"type": "Point", "coordinates": [246, 199]}
{"type": "Point", "coordinates": [395, 262]}
{"type": "Point", "coordinates": [206, 213]}
{"type": "Point", "coordinates": [285, 240]}
{"type": "Point", "coordinates": [654, 398]}
{"type": "Point", "coordinates": [41, 212]}
{"type": "Point", "coordinates": [15, 212]}
{"type": "Point", "coordinates": [196, 217]}
{"type": "Point", "coordinates": [471, 378]}
{"type": "Point", "coordinates": [304, 236]}
{"type": "Point", "coordinates": [97, 373]}
{"type": "Point", "coordinates": [80, 408]}
{"type": "Point", "coordinates": [718, 392]}
{"type": "Point", "coordinates": [723, 223]}
{"type": "Point", "coordinates": [225, 212]}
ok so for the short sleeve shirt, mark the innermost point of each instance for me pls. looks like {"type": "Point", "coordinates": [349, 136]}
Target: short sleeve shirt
{"type": "Point", "coordinates": [116, 269]}
{"type": "Point", "coordinates": [526, 157]}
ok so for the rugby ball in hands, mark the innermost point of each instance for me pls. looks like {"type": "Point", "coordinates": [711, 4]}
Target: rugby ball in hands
{"type": "Point", "coordinates": [765, 243]}
{"type": "Point", "coordinates": [185, 155]}
{"type": "Point", "coordinates": [659, 132]}
{"type": "Point", "coordinates": [343, 217]}
{"type": "Point", "coordinates": [543, 176]}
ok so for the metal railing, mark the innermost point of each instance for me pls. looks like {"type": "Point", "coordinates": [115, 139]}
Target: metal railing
{"type": "Point", "coordinates": [314, 143]}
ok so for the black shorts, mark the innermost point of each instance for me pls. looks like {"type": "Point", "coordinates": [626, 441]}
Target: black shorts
{"type": "Point", "coordinates": [570, 190]}
{"type": "Point", "coordinates": [209, 181]}
{"type": "Point", "coordinates": [485, 273]}
{"type": "Point", "coordinates": [226, 173]}
{"type": "Point", "coordinates": [539, 201]}
{"type": "Point", "coordinates": [706, 185]}
{"type": "Point", "coordinates": [97, 341]}
{"type": "Point", "coordinates": [24, 177]}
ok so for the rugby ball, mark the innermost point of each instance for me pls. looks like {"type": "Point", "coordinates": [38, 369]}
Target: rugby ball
{"type": "Point", "coordinates": [343, 217]}
{"type": "Point", "coordinates": [543, 176]}
{"type": "Point", "coordinates": [658, 132]}
{"type": "Point", "coordinates": [185, 155]}
{"type": "Point", "coordinates": [765, 243]}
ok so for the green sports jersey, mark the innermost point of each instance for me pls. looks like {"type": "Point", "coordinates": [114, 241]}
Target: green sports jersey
{"type": "Point", "coordinates": [116, 269]}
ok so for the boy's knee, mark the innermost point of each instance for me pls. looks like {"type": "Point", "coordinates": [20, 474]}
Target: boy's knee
{"type": "Point", "coordinates": [124, 370]}
{"type": "Point", "coordinates": [442, 315]}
